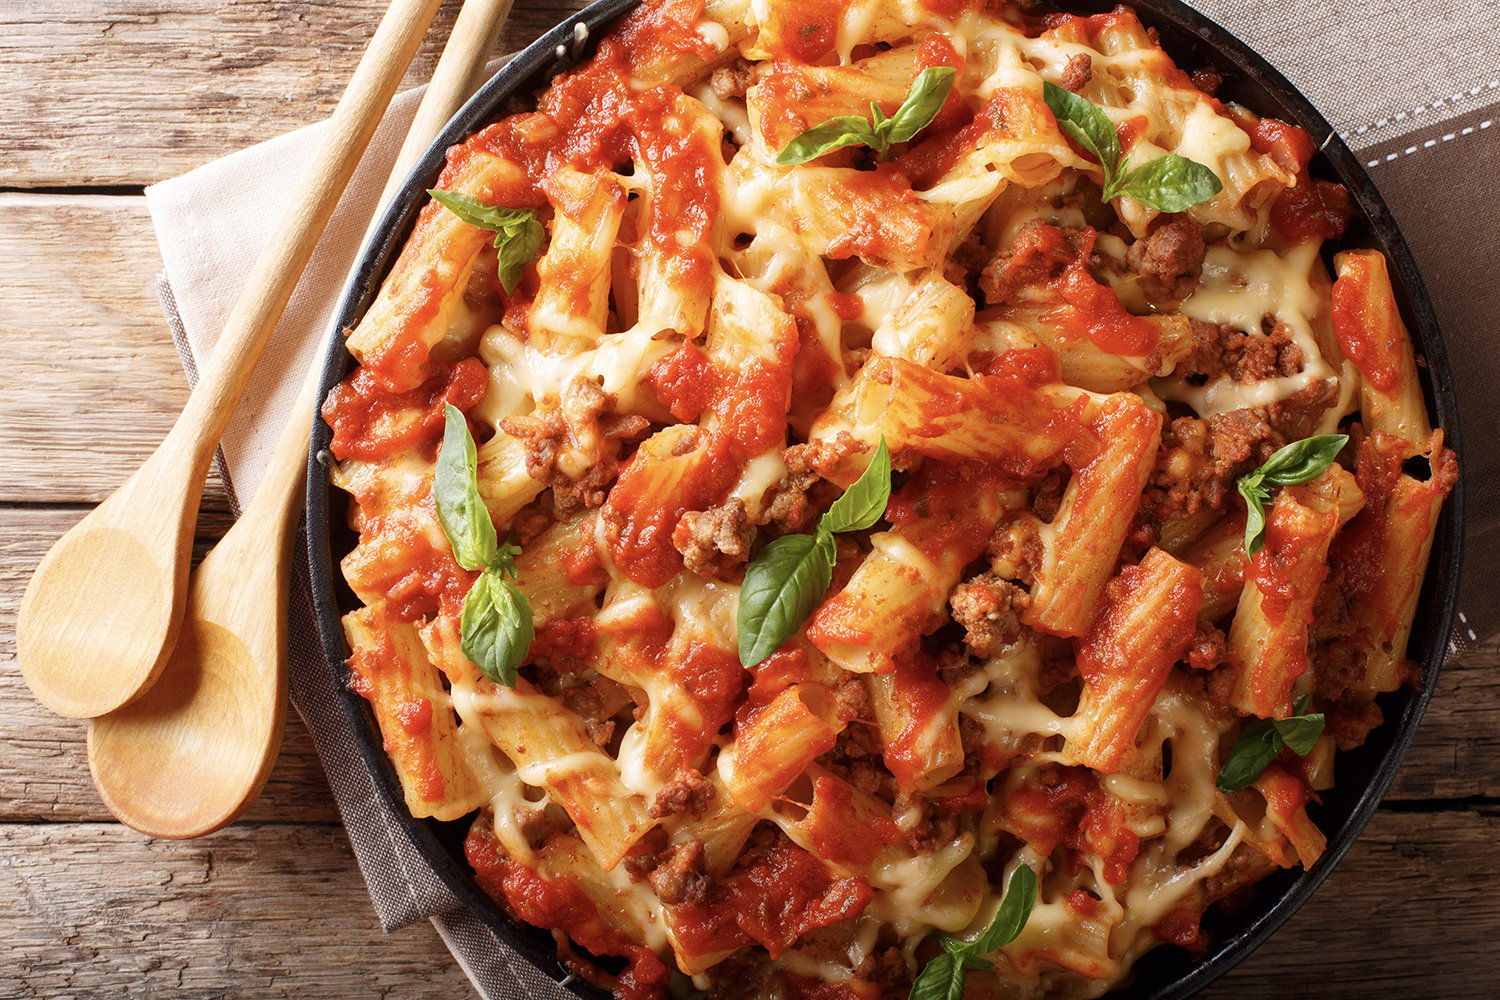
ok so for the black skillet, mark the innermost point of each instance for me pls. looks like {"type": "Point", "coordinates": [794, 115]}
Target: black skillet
{"type": "Point", "coordinates": [1165, 973]}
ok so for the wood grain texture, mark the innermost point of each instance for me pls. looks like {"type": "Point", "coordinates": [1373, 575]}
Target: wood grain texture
{"type": "Point", "coordinates": [87, 908]}
{"type": "Point", "coordinates": [91, 380]}
{"type": "Point", "coordinates": [1410, 912]}
{"type": "Point", "coordinates": [253, 911]}
{"type": "Point", "coordinates": [44, 774]}
{"type": "Point", "coordinates": [194, 78]}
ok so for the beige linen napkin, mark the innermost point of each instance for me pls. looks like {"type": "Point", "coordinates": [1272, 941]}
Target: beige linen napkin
{"type": "Point", "coordinates": [1413, 87]}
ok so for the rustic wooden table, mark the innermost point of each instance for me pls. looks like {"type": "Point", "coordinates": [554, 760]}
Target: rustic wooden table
{"type": "Point", "coordinates": [100, 99]}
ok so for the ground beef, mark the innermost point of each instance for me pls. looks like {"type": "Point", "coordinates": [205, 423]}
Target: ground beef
{"type": "Point", "coordinates": [1200, 460]}
{"type": "Point", "coordinates": [1208, 650]}
{"type": "Point", "coordinates": [1349, 723]}
{"type": "Point", "coordinates": [857, 758]}
{"type": "Point", "coordinates": [851, 700]}
{"type": "Point", "coordinates": [747, 974]}
{"type": "Point", "coordinates": [589, 703]}
{"type": "Point", "coordinates": [1015, 549]}
{"type": "Point", "coordinates": [934, 827]}
{"type": "Point", "coordinates": [1046, 499]}
{"type": "Point", "coordinates": [729, 82]}
{"type": "Point", "coordinates": [1078, 72]}
{"type": "Point", "coordinates": [1224, 351]}
{"type": "Point", "coordinates": [688, 793]}
{"type": "Point", "coordinates": [790, 507]}
{"type": "Point", "coordinates": [580, 431]}
{"type": "Point", "coordinates": [1207, 80]}
{"type": "Point", "coordinates": [1169, 261]}
{"type": "Point", "coordinates": [678, 876]}
{"type": "Point", "coordinates": [714, 541]}
{"type": "Point", "coordinates": [1037, 256]}
{"type": "Point", "coordinates": [989, 610]}
{"type": "Point", "coordinates": [886, 968]}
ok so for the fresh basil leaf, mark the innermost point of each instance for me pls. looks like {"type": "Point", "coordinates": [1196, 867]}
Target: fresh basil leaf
{"type": "Point", "coordinates": [942, 979]}
{"type": "Point", "coordinates": [1257, 746]}
{"type": "Point", "coordinates": [504, 562]}
{"type": "Point", "coordinates": [455, 493]}
{"type": "Point", "coordinates": [1256, 495]}
{"type": "Point", "coordinates": [1300, 732]}
{"type": "Point", "coordinates": [479, 213]}
{"type": "Point", "coordinates": [850, 130]}
{"type": "Point", "coordinates": [864, 502]}
{"type": "Point", "coordinates": [925, 99]}
{"type": "Point", "coordinates": [496, 628]}
{"type": "Point", "coordinates": [1170, 183]}
{"type": "Point", "coordinates": [1090, 127]}
{"type": "Point", "coordinates": [783, 584]}
{"type": "Point", "coordinates": [1015, 910]}
{"type": "Point", "coordinates": [518, 232]}
{"type": "Point", "coordinates": [1262, 741]}
{"type": "Point", "coordinates": [1297, 463]}
{"type": "Point", "coordinates": [518, 247]}
{"type": "Point", "coordinates": [1302, 461]}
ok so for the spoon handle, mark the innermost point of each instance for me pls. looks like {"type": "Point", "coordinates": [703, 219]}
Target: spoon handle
{"type": "Point", "coordinates": [280, 264]}
{"type": "Point", "coordinates": [473, 37]}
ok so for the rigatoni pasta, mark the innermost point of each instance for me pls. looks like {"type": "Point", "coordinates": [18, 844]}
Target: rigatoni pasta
{"type": "Point", "coordinates": [1054, 645]}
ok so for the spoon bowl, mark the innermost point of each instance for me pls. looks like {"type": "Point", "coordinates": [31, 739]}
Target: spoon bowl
{"type": "Point", "coordinates": [102, 609]}
{"type": "Point", "coordinates": [187, 756]}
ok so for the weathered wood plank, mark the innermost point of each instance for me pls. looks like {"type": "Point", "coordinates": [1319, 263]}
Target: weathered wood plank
{"type": "Point", "coordinates": [44, 774]}
{"type": "Point", "coordinates": [88, 908]}
{"type": "Point", "coordinates": [1456, 754]}
{"type": "Point", "coordinates": [1410, 912]}
{"type": "Point", "coordinates": [194, 79]}
{"type": "Point", "coordinates": [91, 380]}
{"type": "Point", "coordinates": [270, 911]}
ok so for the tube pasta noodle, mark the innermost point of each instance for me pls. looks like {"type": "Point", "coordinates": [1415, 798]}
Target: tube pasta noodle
{"type": "Point", "coordinates": [1042, 653]}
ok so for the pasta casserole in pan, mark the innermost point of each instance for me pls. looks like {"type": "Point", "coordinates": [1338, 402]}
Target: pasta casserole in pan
{"type": "Point", "coordinates": [880, 499]}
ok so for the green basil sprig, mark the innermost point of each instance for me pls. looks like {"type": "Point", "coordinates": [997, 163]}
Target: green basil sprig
{"type": "Point", "coordinates": [1170, 183]}
{"type": "Point", "coordinates": [1261, 742]}
{"type": "Point", "coordinates": [495, 626]}
{"type": "Point", "coordinates": [943, 977]}
{"type": "Point", "coordinates": [1297, 463]}
{"type": "Point", "coordinates": [925, 99]}
{"type": "Point", "coordinates": [518, 233]}
{"type": "Point", "coordinates": [787, 579]}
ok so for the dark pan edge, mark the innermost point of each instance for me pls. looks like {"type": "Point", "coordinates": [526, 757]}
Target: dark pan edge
{"type": "Point", "coordinates": [529, 70]}
{"type": "Point", "coordinates": [1164, 973]}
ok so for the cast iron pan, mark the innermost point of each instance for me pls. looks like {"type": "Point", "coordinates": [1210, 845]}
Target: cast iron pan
{"type": "Point", "coordinates": [1166, 973]}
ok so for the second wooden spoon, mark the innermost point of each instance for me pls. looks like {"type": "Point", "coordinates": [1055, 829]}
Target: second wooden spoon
{"type": "Point", "coordinates": [195, 750]}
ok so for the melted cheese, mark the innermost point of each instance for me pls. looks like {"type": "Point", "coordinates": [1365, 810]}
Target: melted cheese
{"type": "Point", "coordinates": [1016, 724]}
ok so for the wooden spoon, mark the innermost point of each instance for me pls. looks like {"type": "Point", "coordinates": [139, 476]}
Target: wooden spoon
{"type": "Point", "coordinates": [104, 606]}
{"type": "Point", "coordinates": [194, 750]}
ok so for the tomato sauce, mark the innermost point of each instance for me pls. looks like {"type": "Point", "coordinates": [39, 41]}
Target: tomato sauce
{"type": "Point", "coordinates": [936, 51]}
{"type": "Point", "coordinates": [684, 381]}
{"type": "Point", "coordinates": [547, 902]}
{"type": "Point", "coordinates": [712, 680]}
{"type": "Point", "coordinates": [923, 696]}
{"type": "Point", "coordinates": [371, 423]}
{"type": "Point", "coordinates": [1313, 208]}
{"type": "Point", "coordinates": [654, 490]}
{"type": "Point", "coordinates": [805, 31]}
{"type": "Point", "coordinates": [566, 643]}
{"type": "Point", "coordinates": [1094, 311]}
{"type": "Point", "coordinates": [839, 831]}
{"type": "Point", "coordinates": [1370, 336]}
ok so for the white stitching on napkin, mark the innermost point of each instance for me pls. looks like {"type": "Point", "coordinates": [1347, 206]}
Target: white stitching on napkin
{"type": "Point", "coordinates": [1432, 142]}
{"type": "Point", "coordinates": [1420, 109]}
